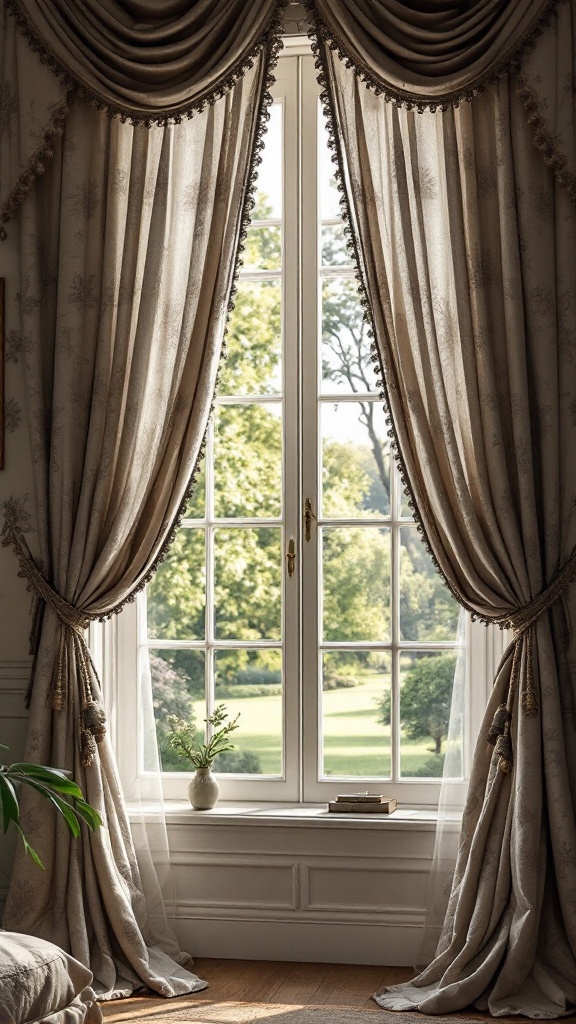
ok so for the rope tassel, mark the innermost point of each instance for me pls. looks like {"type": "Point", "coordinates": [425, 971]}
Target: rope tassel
{"type": "Point", "coordinates": [501, 719]}
{"type": "Point", "coordinates": [503, 751]}
{"type": "Point", "coordinates": [94, 719]}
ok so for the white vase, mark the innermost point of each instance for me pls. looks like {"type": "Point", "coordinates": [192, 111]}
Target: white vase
{"type": "Point", "coordinates": [203, 790]}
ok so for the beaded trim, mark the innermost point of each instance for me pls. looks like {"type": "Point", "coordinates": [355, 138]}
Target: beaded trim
{"type": "Point", "coordinates": [543, 140]}
{"type": "Point", "coordinates": [36, 166]}
{"type": "Point", "coordinates": [125, 112]}
{"type": "Point", "coordinates": [413, 101]}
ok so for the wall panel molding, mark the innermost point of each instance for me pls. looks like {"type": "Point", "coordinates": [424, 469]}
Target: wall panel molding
{"type": "Point", "coordinates": [279, 893]}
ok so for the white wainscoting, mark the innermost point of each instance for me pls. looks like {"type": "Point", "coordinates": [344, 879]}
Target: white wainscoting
{"type": "Point", "coordinates": [278, 889]}
{"type": "Point", "coordinates": [288, 891]}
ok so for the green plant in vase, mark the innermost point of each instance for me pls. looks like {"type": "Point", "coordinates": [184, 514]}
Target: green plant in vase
{"type": "Point", "coordinates": [203, 790]}
{"type": "Point", "coordinates": [54, 785]}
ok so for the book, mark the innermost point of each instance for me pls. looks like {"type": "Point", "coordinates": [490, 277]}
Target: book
{"type": "Point", "coordinates": [367, 798]}
{"type": "Point", "coordinates": [384, 806]}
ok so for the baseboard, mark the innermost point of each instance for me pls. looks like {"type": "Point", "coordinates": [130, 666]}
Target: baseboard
{"type": "Point", "coordinates": [319, 941]}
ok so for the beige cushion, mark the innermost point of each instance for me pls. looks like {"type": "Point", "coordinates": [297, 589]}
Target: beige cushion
{"type": "Point", "coordinates": [40, 981]}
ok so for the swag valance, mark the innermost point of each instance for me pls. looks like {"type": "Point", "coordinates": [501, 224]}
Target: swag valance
{"type": "Point", "coordinates": [149, 59]}
{"type": "Point", "coordinates": [152, 61]}
{"type": "Point", "coordinates": [428, 51]}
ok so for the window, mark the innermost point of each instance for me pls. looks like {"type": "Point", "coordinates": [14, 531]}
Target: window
{"type": "Point", "coordinates": [298, 591]}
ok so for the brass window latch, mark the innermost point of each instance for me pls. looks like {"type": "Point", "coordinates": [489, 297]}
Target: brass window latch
{"type": "Point", "coordinates": [308, 517]}
{"type": "Point", "coordinates": [291, 557]}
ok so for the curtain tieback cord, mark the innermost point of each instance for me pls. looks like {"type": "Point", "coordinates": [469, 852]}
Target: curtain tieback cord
{"type": "Point", "coordinates": [523, 624]}
{"type": "Point", "coordinates": [72, 648]}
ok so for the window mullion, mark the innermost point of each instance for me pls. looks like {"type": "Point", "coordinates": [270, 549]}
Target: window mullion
{"type": "Point", "coordinates": [310, 283]}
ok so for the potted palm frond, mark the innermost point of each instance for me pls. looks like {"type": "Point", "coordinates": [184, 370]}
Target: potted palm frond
{"type": "Point", "coordinates": [203, 790]}
{"type": "Point", "coordinates": [52, 784]}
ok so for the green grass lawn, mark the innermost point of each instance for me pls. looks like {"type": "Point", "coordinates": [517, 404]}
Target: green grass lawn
{"type": "Point", "coordinates": [355, 743]}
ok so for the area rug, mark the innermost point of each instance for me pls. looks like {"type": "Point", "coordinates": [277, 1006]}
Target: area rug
{"type": "Point", "coordinates": [275, 1013]}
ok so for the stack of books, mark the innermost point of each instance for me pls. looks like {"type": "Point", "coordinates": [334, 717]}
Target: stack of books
{"type": "Point", "coordinates": [362, 803]}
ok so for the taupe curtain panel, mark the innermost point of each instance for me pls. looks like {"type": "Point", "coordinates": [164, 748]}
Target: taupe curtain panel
{"type": "Point", "coordinates": [128, 245]}
{"type": "Point", "coordinates": [467, 247]}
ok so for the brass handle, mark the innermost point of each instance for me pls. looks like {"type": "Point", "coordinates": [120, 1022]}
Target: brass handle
{"type": "Point", "coordinates": [291, 557]}
{"type": "Point", "coordinates": [308, 517]}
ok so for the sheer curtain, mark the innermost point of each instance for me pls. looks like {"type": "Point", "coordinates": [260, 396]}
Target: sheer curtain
{"type": "Point", "coordinates": [466, 241]}
{"type": "Point", "coordinates": [128, 246]}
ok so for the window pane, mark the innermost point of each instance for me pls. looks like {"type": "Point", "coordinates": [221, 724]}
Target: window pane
{"type": "Point", "coordinates": [425, 696]}
{"type": "Point", "coordinates": [356, 584]}
{"type": "Point", "coordinates": [177, 689]}
{"type": "Point", "coordinates": [329, 194]}
{"type": "Point", "coordinates": [403, 498]}
{"type": "Point", "coordinates": [253, 363]}
{"type": "Point", "coordinates": [355, 460]}
{"type": "Point", "coordinates": [250, 683]}
{"type": "Point", "coordinates": [346, 347]}
{"type": "Point", "coordinates": [268, 194]}
{"type": "Point", "coordinates": [177, 591]}
{"type": "Point", "coordinates": [247, 583]}
{"type": "Point", "coordinates": [263, 249]}
{"type": "Point", "coordinates": [248, 461]}
{"type": "Point", "coordinates": [196, 507]}
{"type": "Point", "coordinates": [356, 713]}
{"type": "Point", "coordinates": [427, 609]}
{"type": "Point", "coordinates": [334, 247]}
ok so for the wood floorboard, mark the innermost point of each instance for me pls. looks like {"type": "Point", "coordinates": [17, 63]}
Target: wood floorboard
{"type": "Point", "coordinates": [348, 985]}
{"type": "Point", "coordinates": [301, 984]}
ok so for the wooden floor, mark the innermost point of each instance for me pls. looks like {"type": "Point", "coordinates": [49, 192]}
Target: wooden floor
{"type": "Point", "coordinates": [259, 981]}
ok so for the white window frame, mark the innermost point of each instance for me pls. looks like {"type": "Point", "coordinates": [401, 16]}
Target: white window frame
{"type": "Point", "coordinates": [117, 646]}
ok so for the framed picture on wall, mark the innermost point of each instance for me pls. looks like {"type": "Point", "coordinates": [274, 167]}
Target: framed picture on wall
{"type": "Point", "coordinates": [2, 375]}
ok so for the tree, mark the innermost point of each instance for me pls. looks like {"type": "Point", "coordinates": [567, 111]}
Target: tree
{"type": "Point", "coordinates": [347, 359]}
{"type": "Point", "coordinates": [171, 695]}
{"type": "Point", "coordinates": [425, 699]}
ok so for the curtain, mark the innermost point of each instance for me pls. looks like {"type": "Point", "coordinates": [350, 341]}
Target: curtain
{"type": "Point", "coordinates": [128, 249]}
{"type": "Point", "coordinates": [466, 243]}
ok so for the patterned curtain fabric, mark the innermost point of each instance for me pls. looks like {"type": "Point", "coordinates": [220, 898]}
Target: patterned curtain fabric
{"type": "Point", "coordinates": [145, 60]}
{"type": "Point", "coordinates": [33, 107]}
{"type": "Point", "coordinates": [431, 55]}
{"type": "Point", "coordinates": [467, 246]}
{"type": "Point", "coordinates": [128, 246]}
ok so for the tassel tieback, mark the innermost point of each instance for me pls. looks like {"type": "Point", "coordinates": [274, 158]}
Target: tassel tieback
{"type": "Point", "coordinates": [72, 649]}
{"type": "Point", "coordinates": [523, 623]}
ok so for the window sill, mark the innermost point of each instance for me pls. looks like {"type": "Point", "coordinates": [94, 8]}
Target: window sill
{"type": "Point", "coordinates": [245, 813]}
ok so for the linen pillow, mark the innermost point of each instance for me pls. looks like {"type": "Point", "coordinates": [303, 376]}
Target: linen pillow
{"type": "Point", "coordinates": [37, 979]}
